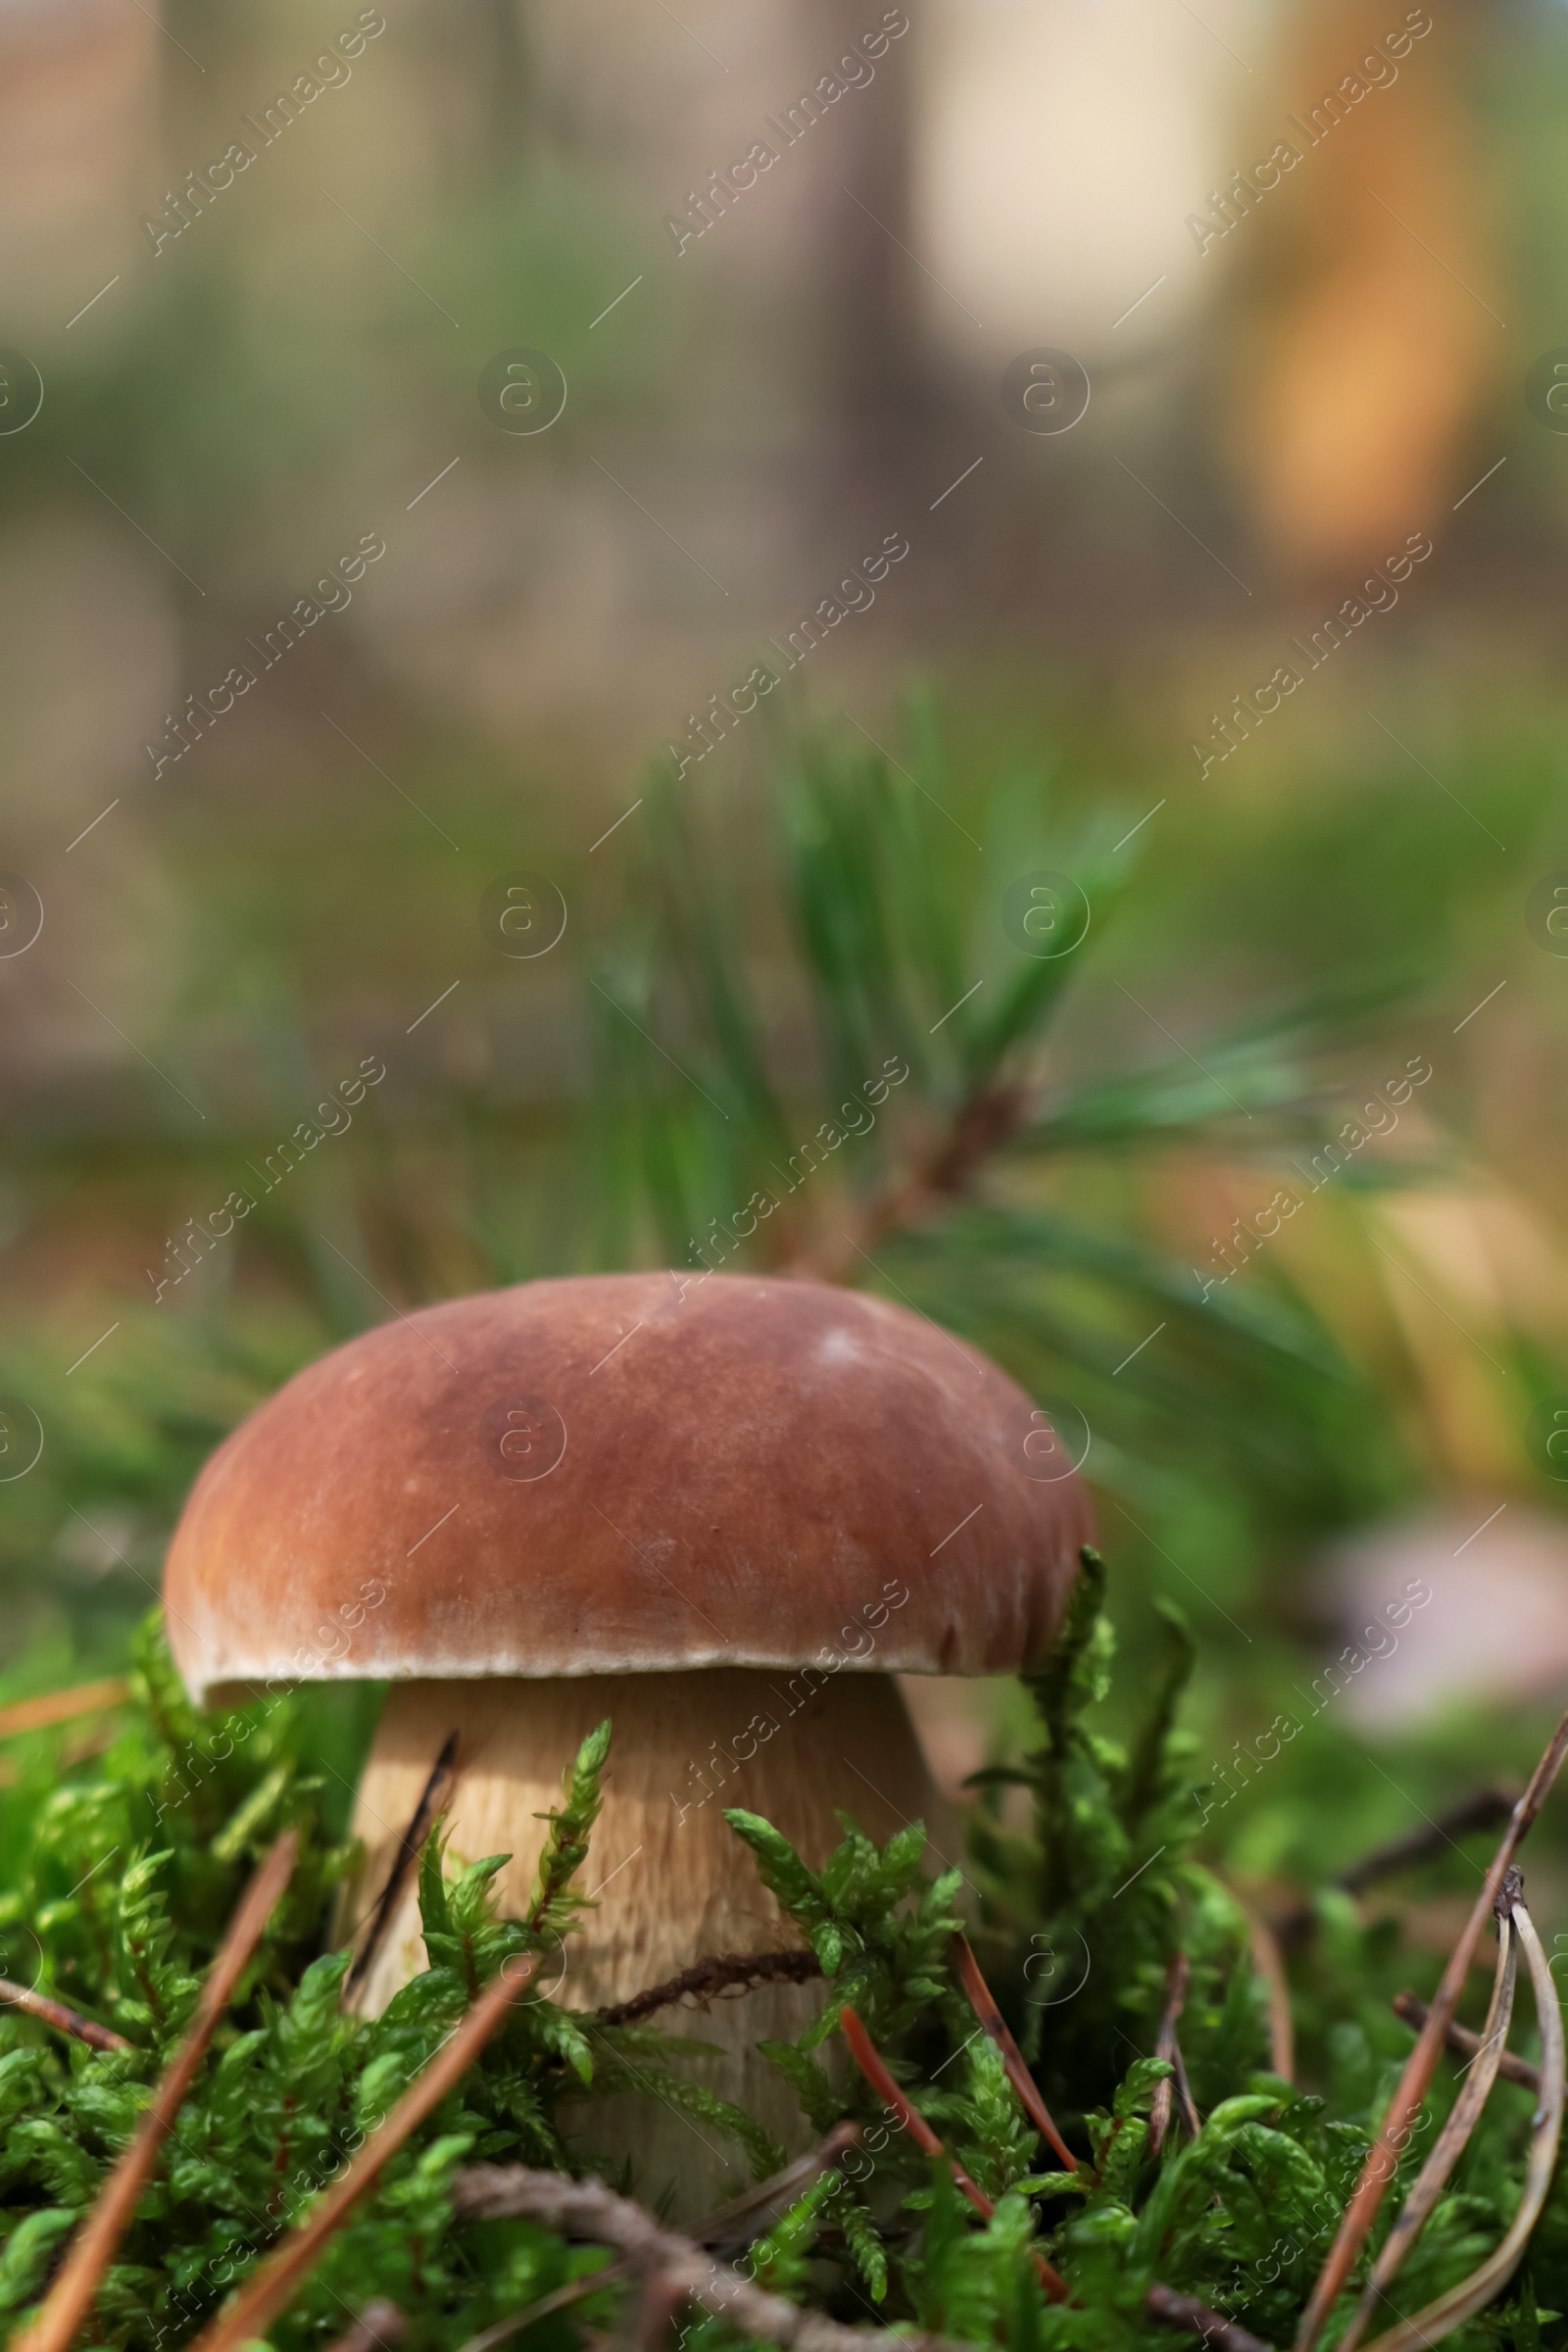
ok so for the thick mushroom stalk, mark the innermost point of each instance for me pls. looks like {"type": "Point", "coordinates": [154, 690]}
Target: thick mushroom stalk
{"type": "Point", "coordinates": [674, 1883]}
{"type": "Point", "coordinates": [723, 1512]}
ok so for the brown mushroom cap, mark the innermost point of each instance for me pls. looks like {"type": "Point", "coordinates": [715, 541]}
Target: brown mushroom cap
{"type": "Point", "coordinates": [630, 1474]}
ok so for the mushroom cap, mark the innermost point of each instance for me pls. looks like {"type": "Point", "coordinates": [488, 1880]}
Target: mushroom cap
{"type": "Point", "coordinates": [625, 1473]}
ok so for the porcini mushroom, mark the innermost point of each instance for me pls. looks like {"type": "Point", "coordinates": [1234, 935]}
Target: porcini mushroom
{"type": "Point", "coordinates": [725, 1512]}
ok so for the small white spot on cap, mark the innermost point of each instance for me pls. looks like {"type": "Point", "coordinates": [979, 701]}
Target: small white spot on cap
{"type": "Point", "coordinates": [838, 1348]}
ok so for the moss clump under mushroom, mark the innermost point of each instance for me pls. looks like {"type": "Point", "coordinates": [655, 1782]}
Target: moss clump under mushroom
{"type": "Point", "coordinates": [1237, 2218]}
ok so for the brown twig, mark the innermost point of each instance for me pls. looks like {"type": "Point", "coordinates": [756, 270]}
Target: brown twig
{"type": "Point", "coordinates": [1454, 2138]}
{"type": "Point", "coordinates": [588, 2210]}
{"type": "Point", "coordinates": [870, 2062]}
{"type": "Point", "coordinates": [404, 1861]}
{"type": "Point", "coordinates": [60, 1706]}
{"type": "Point", "coordinates": [271, 2287]}
{"type": "Point", "coordinates": [1436, 2320]}
{"type": "Point", "coordinates": [71, 2297]}
{"type": "Point", "coordinates": [987, 1120]}
{"type": "Point", "coordinates": [736, 2224]}
{"type": "Point", "coordinates": [706, 1979]}
{"type": "Point", "coordinates": [982, 2002]}
{"type": "Point", "coordinates": [1172, 2310]}
{"type": "Point", "coordinates": [1485, 1809]}
{"type": "Point", "coordinates": [64, 2019]}
{"type": "Point", "coordinates": [1170, 2049]}
{"type": "Point", "coordinates": [747, 2217]}
{"type": "Point", "coordinates": [1406, 2105]}
{"type": "Point", "coordinates": [664, 2291]}
{"type": "Point", "coordinates": [1269, 1961]}
{"type": "Point", "coordinates": [868, 2058]}
{"type": "Point", "coordinates": [614, 2274]}
{"type": "Point", "coordinates": [1160, 2105]}
{"type": "Point", "coordinates": [1465, 2045]}
{"type": "Point", "coordinates": [1184, 2090]}
{"type": "Point", "coordinates": [380, 2327]}
{"type": "Point", "coordinates": [1162, 2302]}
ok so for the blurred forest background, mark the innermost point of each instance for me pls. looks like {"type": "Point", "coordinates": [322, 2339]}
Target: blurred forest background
{"type": "Point", "coordinates": [246, 379]}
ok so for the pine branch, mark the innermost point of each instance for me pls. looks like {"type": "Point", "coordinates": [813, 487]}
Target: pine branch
{"type": "Point", "coordinates": [943, 1175]}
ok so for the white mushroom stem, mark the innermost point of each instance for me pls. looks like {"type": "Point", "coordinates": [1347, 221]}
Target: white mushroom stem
{"type": "Point", "coordinates": [671, 1881]}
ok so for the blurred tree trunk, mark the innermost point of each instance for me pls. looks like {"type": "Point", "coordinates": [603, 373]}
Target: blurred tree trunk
{"type": "Point", "coordinates": [878, 384]}
{"type": "Point", "coordinates": [508, 84]}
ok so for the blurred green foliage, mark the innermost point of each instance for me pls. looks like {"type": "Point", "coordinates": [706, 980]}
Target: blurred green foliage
{"type": "Point", "coordinates": [742, 956]}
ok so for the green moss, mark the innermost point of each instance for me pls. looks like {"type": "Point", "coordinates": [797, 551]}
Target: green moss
{"type": "Point", "coordinates": [124, 1869]}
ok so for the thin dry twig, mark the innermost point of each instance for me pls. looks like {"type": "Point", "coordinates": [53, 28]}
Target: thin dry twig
{"type": "Point", "coordinates": [1164, 2304]}
{"type": "Point", "coordinates": [588, 2210]}
{"type": "Point", "coordinates": [1485, 1809]}
{"type": "Point", "coordinates": [868, 2058]}
{"type": "Point", "coordinates": [1465, 2045]}
{"type": "Point", "coordinates": [982, 2002]}
{"type": "Point", "coordinates": [747, 2217]}
{"type": "Point", "coordinates": [1406, 2105]}
{"type": "Point", "coordinates": [734, 2224]}
{"type": "Point", "coordinates": [707, 1978]}
{"type": "Point", "coordinates": [65, 2020]}
{"type": "Point", "coordinates": [1454, 2138]}
{"type": "Point", "coordinates": [273, 2286]}
{"type": "Point", "coordinates": [1474, 2293]}
{"type": "Point", "coordinates": [664, 2291]}
{"type": "Point", "coordinates": [62, 1706]}
{"type": "Point", "coordinates": [1170, 2049]}
{"type": "Point", "coordinates": [380, 2327]}
{"type": "Point", "coordinates": [71, 2297]}
{"type": "Point", "coordinates": [404, 1862]}
{"type": "Point", "coordinates": [614, 2274]}
{"type": "Point", "coordinates": [1269, 1962]}
{"type": "Point", "coordinates": [872, 2066]}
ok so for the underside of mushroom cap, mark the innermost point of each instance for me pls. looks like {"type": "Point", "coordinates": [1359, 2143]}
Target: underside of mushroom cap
{"type": "Point", "coordinates": [630, 1473]}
